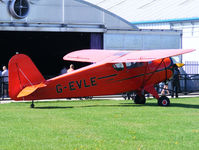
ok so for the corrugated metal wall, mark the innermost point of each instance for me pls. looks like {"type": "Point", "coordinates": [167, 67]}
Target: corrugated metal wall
{"type": "Point", "coordinates": [144, 39]}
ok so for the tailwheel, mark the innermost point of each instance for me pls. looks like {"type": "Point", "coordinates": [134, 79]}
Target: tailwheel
{"type": "Point", "coordinates": [140, 99]}
{"type": "Point", "coordinates": [32, 105]}
{"type": "Point", "coordinates": [163, 101]}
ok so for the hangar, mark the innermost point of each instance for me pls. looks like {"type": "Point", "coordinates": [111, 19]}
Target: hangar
{"type": "Point", "coordinates": [47, 29]}
{"type": "Point", "coordinates": [181, 15]}
{"type": "Point", "coordinates": [160, 14]}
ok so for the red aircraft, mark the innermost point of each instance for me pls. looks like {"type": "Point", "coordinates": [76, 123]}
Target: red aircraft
{"type": "Point", "coordinates": [111, 72]}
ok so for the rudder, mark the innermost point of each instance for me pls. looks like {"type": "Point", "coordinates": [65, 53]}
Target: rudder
{"type": "Point", "coordinates": [22, 73]}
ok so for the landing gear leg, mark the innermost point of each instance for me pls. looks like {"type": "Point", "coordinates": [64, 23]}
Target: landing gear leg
{"type": "Point", "coordinates": [32, 105]}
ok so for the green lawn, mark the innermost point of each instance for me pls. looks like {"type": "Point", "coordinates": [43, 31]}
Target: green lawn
{"type": "Point", "coordinates": [100, 125]}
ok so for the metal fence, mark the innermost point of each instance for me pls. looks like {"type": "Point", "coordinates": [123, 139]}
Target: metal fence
{"type": "Point", "coordinates": [191, 67]}
{"type": "Point", "coordinates": [190, 80]}
{"type": "Point", "coordinates": [189, 83]}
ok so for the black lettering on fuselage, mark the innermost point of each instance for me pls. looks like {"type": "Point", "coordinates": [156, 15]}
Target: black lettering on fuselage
{"type": "Point", "coordinates": [85, 84]}
{"type": "Point", "coordinates": [59, 88]}
{"type": "Point", "coordinates": [71, 85]}
{"type": "Point", "coordinates": [77, 84]}
{"type": "Point", "coordinates": [93, 81]}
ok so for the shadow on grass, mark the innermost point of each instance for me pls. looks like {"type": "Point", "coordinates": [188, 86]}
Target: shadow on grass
{"type": "Point", "coordinates": [122, 105]}
{"type": "Point", "coordinates": [171, 105]}
{"type": "Point", "coordinates": [184, 105]}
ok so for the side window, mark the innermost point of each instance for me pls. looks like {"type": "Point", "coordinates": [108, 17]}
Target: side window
{"type": "Point", "coordinates": [118, 66]}
{"type": "Point", "coordinates": [139, 64]}
{"type": "Point", "coordinates": [130, 65]}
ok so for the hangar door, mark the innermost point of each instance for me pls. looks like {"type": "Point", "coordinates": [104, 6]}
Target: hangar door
{"type": "Point", "coordinates": [139, 40]}
{"type": "Point", "coordinates": [47, 49]}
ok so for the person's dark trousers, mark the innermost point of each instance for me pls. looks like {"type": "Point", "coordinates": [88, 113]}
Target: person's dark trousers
{"type": "Point", "coordinates": [175, 89]}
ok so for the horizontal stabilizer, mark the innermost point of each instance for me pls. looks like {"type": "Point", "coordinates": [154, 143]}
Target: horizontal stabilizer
{"type": "Point", "coordinates": [30, 89]}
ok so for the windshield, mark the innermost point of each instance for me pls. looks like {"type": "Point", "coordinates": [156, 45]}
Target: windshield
{"type": "Point", "coordinates": [176, 59]}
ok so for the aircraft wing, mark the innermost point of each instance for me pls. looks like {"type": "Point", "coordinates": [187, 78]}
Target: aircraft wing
{"type": "Point", "coordinates": [91, 55]}
{"type": "Point", "coordinates": [116, 56]}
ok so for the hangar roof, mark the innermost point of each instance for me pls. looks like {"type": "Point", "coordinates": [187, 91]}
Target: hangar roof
{"type": "Point", "coordinates": [151, 11]}
{"type": "Point", "coordinates": [59, 15]}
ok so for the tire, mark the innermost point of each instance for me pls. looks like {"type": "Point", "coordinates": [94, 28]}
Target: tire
{"type": "Point", "coordinates": [32, 106]}
{"type": "Point", "coordinates": [163, 101]}
{"type": "Point", "coordinates": [140, 99]}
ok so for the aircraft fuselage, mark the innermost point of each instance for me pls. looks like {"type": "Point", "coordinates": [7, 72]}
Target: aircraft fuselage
{"type": "Point", "coordinates": [105, 79]}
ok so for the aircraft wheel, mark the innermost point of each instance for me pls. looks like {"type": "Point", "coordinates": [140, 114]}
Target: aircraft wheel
{"type": "Point", "coordinates": [140, 99]}
{"type": "Point", "coordinates": [32, 105]}
{"type": "Point", "coordinates": [163, 101]}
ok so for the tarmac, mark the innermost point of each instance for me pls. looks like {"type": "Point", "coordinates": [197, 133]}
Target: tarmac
{"type": "Point", "coordinates": [108, 97]}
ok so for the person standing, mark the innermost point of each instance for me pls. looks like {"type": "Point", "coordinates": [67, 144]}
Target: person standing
{"type": "Point", "coordinates": [175, 82]}
{"type": "Point", "coordinates": [4, 75]}
{"type": "Point", "coordinates": [72, 68]}
{"type": "Point", "coordinates": [63, 71]}
{"type": "Point", "coordinates": [1, 84]}
{"type": "Point", "coordinates": [165, 89]}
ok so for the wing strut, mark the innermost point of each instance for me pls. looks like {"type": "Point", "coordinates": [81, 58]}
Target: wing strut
{"type": "Point", "coordinates": [165, 71]}
{"type": "Point", "coordinates": [152, 90]}
{"type": "Point", "coordinates": [145, 81]}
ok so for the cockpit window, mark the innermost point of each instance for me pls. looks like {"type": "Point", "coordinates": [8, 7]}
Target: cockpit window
{"type": "Point", "coordinates": [130, 65]}
{"type": "Point", "coordinates": [176, 59]}
{"type": "Point", "coordinates": [118, 66]}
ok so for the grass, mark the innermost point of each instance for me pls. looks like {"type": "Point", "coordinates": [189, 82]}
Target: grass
{"type": "Point", "coordinates": [100, 125]}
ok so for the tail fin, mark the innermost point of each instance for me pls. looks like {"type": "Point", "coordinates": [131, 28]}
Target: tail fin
{"type": "Point", "coordinates": [22, 73]}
